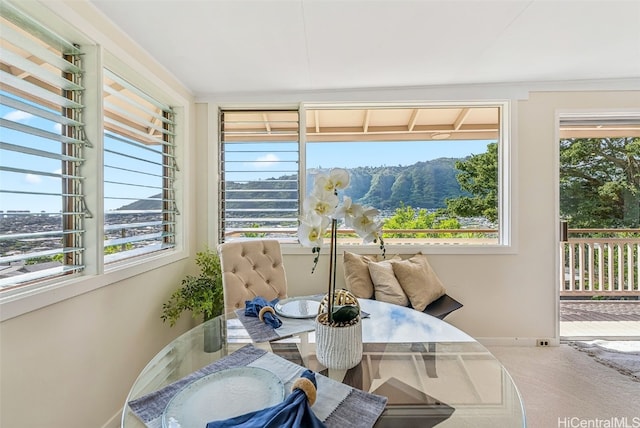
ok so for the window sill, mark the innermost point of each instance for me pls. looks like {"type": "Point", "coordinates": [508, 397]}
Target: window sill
{"type": "Point", "coordinates": [28, 299]}
{"type": "Point", "coordinates": [294, 249]}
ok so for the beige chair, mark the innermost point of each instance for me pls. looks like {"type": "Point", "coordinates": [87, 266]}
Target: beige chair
{"type": "Point", "coordinates": [249, 269]}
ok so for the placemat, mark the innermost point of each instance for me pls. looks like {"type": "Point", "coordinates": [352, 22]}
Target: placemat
{"type": "Point", "coordinates": [337, 404]}
{"type": "Point", "coordinates": [261, 332]}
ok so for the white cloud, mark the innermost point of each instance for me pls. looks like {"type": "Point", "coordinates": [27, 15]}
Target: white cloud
{"type": "Point", "coordinates": [57, 128]}
{"type": "Point", "coordinates": [266, 161]}
{"type": "Point", "coordinates": [57, 171]}
{"type": "Point", "coordinates": [33, 179]}
{"type": "Point", "coordinates": [18, 116]}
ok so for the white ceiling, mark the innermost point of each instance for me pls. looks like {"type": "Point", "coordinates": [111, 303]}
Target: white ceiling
{"type": "Point", "coordinates": [241, 46]}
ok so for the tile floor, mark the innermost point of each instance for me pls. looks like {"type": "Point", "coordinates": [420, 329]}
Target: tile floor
{"type": "Point", "coordinates": [599, 319]}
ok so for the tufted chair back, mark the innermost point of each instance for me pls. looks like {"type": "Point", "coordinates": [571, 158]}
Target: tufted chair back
{"type": "Point", "coordinates": [250, 269]}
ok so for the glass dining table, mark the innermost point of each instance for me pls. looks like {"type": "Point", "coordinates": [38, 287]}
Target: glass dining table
{"type": "Point", "coordinates": [432, 373]}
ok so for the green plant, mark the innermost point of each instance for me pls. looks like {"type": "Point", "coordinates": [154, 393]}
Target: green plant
{"type": "Point", "coordinates": [112, 249]}
{"type": "Point", "coordinates": [254, 234]}
{"type": "Point", "coordinates": [202, 294]}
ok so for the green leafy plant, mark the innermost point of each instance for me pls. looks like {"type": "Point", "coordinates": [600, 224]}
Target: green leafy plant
{"type": "Point", "coordinates": [202, 294]}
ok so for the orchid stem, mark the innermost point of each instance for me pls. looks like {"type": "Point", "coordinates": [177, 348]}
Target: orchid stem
{"type": "Point", "coordinates": [332, 269]}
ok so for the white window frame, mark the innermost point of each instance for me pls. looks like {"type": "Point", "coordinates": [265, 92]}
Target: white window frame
{"type": "Point", "coordinates": [67, 145]}
{"type": "Point", "coordinates": [170, 213]}
{"type": "Point", "coordinates": [98, 51]}
{"type": "Point", "coordinates": [234, 157]}
{"type": "Point", "coordinates": [507, 156]}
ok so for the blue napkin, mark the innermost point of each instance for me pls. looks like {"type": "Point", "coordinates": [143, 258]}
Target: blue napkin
{"type": "Point", "coordinates": [253, 308]}
{"type": "Point", "coordinates": [294, 412]}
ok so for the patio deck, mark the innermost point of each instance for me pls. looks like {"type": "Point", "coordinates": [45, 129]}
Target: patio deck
{"type": "Point", "coordinates": [599, 319]}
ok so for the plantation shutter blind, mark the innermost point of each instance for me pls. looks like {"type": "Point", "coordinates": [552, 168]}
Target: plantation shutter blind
{"type": "Point", "coordinates": [259, 174]}
{"type": "Point", "coordinates": [42, 143]}
{"type": "Point", "coordinates": [139, 171]}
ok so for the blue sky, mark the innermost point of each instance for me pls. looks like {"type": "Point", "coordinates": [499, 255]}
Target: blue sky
{"type": "Point", "coordinates": [253, 161]}
{"type": "Point", "coordinates": [28, 182]}
{"type": "Point", "coordinates": [350, 155]}
{"type": "Point", "coordinates": [33, 182]}
{"type": "Point", "coordinates": [325, 155]}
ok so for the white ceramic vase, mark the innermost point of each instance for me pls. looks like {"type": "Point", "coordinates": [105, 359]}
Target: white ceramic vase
{"type": "Point", "coordinates": [339, 347]}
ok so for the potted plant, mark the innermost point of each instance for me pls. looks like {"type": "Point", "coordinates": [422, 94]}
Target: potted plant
{"type": "Point", "coordinates": [338, 326]}
{"type": "Point", "coordinates": [203, 296]}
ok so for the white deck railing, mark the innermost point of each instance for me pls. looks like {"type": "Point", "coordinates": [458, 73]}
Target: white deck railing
{"type": "Point", "coordinates": [600, 267]}
{"type": "Point", "coordinates": [606, 266]}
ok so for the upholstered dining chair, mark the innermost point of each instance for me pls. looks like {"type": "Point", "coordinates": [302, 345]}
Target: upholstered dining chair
{"type": "Point", "coordinates": [251, 268]}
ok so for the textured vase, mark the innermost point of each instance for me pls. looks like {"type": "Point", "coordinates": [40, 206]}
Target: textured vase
{"type": "Point", "coordinates": [338, 347]}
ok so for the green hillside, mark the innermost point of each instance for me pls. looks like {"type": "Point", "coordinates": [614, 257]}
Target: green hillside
{"type": "Point", "coordinates": [144, 204]}
{"type": "Point", "coordinates": [421, 185]}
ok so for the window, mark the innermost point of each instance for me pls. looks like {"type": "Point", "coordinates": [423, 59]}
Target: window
{"type": "Point", "coordinates": [406, 162]}
{"type": "Point", "coordinates": [259, 163]}
{"type": "Point", "coordinates": [434, 171]}
{"type": "Point", "coordinates": [139, 172]}
{"type": "Point", "coordinates": [52, 143]}
{"type": "Point", "coordinates": [41, 153]}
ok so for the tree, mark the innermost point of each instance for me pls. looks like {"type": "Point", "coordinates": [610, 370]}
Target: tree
{"type": "Point", "coordinates": [479, 176]}
{"type": "Point", "coordinates": [600, 182]}
{"type": "Point", "coordinates": [409, 218]}
{"type": "Point", "coordinates": [380, 191]}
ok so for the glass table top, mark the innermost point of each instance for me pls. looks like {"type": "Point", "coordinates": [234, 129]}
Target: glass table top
{"type": "Point", "coordinates": [432, 373]}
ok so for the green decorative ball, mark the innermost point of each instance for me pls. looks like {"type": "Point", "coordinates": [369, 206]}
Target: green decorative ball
{"type": "Point", "coordinates": [346, 307]}
{"type": "Point", "coordinates": [345, 313]}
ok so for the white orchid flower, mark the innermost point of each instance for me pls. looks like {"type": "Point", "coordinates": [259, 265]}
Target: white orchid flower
{"type": "Point", "coordinates": [364, 220]}
{"type": "Point", "coordinates": [337, 179]}
{"type": "Point", "coordinates": [349, 211]}
{"type": "Point", "coordinates": [365, 224]}
{"type": "Point", "coordinates": [370, 212]}
{"type": "Point", "coordinates": [369, 230]}
{"type": "Point", "coordinates": [340, 178]}
{"type": "Point", "coordinates": [321, 202]}
{"type": "Point", "coordinates": [323, 205]}
{"type": "Point", "coordinates": [312, 229]}
{"type": "Point", "coordinates": [374, 236]}
{"type": "Point", "coordinates": [370, 237]}
{"type": "Point", "coordinates": [322, 183]}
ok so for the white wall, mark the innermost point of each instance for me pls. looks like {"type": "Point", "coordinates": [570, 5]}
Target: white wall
{"type": "Point", "coordinates": [509, 296]}
{"type": "Point", "coordinates": [72, 363]}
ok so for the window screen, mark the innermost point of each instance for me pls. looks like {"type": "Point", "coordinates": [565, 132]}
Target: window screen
{"type": "Point", "coordinates": [42, 148]}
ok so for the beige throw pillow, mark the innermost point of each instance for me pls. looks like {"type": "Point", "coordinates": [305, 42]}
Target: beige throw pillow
{"type": "Point", "coordinates": [385, 285]}
{"type": "Point", "coordinates": [356, 275]}
{"type": "Point", "coordinates": [418, 280]}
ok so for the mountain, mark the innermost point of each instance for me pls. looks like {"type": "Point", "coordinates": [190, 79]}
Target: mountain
{"type": "Point", "coordinates": [144, 204]}
{"type": "Point", "coordinates": [421, 185]}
